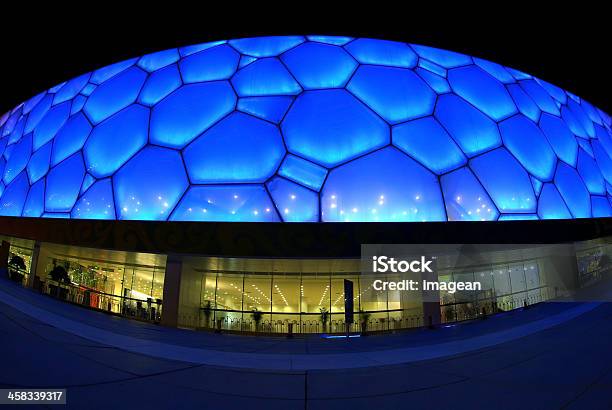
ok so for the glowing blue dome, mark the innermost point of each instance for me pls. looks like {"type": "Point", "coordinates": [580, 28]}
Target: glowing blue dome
{"type": "Point", "coordinates": [306, 129]}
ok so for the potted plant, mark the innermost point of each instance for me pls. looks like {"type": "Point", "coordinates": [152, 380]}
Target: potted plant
{"type": "Point", "coordinates": [364, 317]}
{"type": "Point", "coordinates": [16, 267]}
{"type": "Point", "coordinates": [207, 310]}
{"type": "Point", "coordinates": [324, 318]}
{"type": "Point", "coordinates": [60, 275]}
{"type": "Point", "coordinates": [257, 316]}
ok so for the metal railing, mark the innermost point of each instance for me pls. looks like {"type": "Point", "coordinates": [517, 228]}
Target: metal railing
{"type": "Point", "coordinates": [221, 320]}
{"type": "Point", "coordinates": [476, 308]}
{"type": "Point", "coordinates": [146, 310]}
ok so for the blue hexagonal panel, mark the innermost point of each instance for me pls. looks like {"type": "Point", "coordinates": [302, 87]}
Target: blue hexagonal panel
{"type": "Point", "coordinates": [375, 188]}
{"type": "Point", "coordinates": [590, 173]}
{"type": "Point", "coordinates": [573, 191]}
{"type": "Point", "coordinates": [381, 52]}
{"type": "Point", "coordinates": [604, 162]}
{"type": "Point", "coordinates": [267, 76]}
{"type": "Point", "coordinates": [601, 207]}
{"type": "Point", "coordinates": [71, 89]}
{"type": "Point", "coordinates": [317, 65]}
{"type": "Point", "coordinates": [551, 204]}
{"type": "Point", "coordinates": [70, 138]}
{"type": "Point", "coordinates": [496, 70]}
{"type": "Point", "coordinates": [155, 61]}
{"type": "Point", "coordinates": [306, 129]}
{"type": "Point", "coordinates": [540, 96]}
{"type": "Point", "coordinates": [189, 111]}
{"type": "Point", "coordinates": [17, 131]}
{"type": "Point", "coordinates": [335, 40]}
{"type": "Point", "coordinates": [160, 84]}
{"type": "Point", "coordinates": [294, 202]}
{"type": "Point", "coordinates": [37, 113]}
{"type": "Point", "coordinates": [240, 148]}
{"type": "Point", "coordinates": [445, 58]}
{"type": "Point", "coordinates": [396, 94]}
{"type": "Point", "coordinates": [572, 122]}
{"type": "Point", "coordinates": [115, 140]}
{"type": "Point", "coordinates": [471, 129]}
{"type": "Point", "coordinates": [136, 197]}
{"type": "Point", "coordinates": [195, 48]}
{"type": "Point", "coordinates": [266, 46]}
{"type": "Point", "coordinates": [226, 203]}
{"type": "Point", "coordinates": [436, 82]}
{"type": "Point", "coordinates": [97, 202]}
{"type": "Point", "coordinates": [269, 108]}
{"type": "Point", "coordinates": [524, 102]}
{"type": "Point", "coordinates": [426, 141]}
{"type": "Point", "coordinates": [35, 202]}
{"type": "Point", "coordinates": [331, 126]}
{"type": "Point", "coordinates": [560, 138]}
{"type": "Point", "coordinates": [102, 74]}
{"type": "Point", "coordinates": [528, 144]}
{"type": "Point", "coordinates": [50, 124]}
{"type": "Point", "coordinates": [39, 163]}
{"type": "Point", "coordinates": [14, 196]}
{"type": "Point", "coordinates": [582, 118]}
{"type": "Point", "coordinates": [556, 92]}
{"type": "Point", "coordinates": [483, 91]}
{"type": "Point", "coordinates": [217, 63]}
{"type": "Point", "coordinates": [64, 184]}
{"type": "Point", "coordinates": [303, 172]}
{"type": "Point", "coordinates": [87, 182]}
{"type": "Point", "coordinates": [465, 198]}
{"type": "Point", "coordinates": [506, 181]}
{"type": "Point", "coordinates": [18, 158]}
{"type": "Point", "coordinates": [115, 94]}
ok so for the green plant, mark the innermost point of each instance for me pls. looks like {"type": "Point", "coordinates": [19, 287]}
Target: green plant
{"type": "Point", "coordinates": [16, 267]}
{"type": "Point", "coordinates": [324, 317]}
{"type": "Point", "coordinates": [59, 274]}
{"type": "Point", "coordinates": [257, 315]}
{"type": "Point", "coordinates": [17, 262]}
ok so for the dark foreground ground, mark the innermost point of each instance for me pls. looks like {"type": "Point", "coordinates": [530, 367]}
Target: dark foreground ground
{"type": "Point", "coordinates": [519, 360]}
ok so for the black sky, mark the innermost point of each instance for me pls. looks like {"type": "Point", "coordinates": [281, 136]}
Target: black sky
{"type": "Point", "coordinates": [569, 49]}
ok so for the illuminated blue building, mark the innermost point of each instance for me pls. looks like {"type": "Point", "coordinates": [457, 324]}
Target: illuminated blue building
{"type": "Point", "coordinates": [306, 129]}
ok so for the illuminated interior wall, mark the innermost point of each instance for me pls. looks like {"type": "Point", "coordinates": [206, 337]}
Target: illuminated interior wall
{"type": "Point", "coordinates": [310, 128]}
{"type": "Point", "coordinates": [286, 291]}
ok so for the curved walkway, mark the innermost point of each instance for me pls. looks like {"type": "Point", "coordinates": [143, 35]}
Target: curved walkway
{"type": "Point", "coordinates": [343, 359]}
{"type": "Point", "coordinates": [563, 366]}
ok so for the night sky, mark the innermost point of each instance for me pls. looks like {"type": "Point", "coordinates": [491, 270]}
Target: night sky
{"type": "Point", "coordinates": [39, 52]}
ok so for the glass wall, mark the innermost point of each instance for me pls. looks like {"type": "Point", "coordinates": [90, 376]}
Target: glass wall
{"type": "Point", "coordinates": [112, 281]}
{"type": "Point", "coordinates": [504, 287]}
{"type": "Point", "coordinates": [20, 258]}
{"type": "Point", "coordinates": [269, 296]}
{"type": "Point", "coordinates": [306, 296]}
{"type": "Point", "coordinates": [273, 295]}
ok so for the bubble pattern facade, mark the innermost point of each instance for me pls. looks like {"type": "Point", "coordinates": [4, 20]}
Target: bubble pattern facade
{"type": "Point", "coordinates": [306, 129]}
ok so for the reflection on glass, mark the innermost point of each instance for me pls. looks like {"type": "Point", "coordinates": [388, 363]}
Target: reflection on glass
{"type": "Point", "coordinates": [485, 277]}
{"type": "Point", "coordinates": [257, 292]}
{"type": "Point", "coordinates": [372, 300]}
{"type": "Point", "coordinates": [287, 292]}
{"type": "Point", "coordinates": [158, 284]}
{"type": "Point", "coordinates": [501, 280]}
{"type": "Point", "coordinates": [316, 293]}
{"type": "Point", "coordinates": [131, 290]}
{"type": "Point", "coordinates": [229, 298]}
